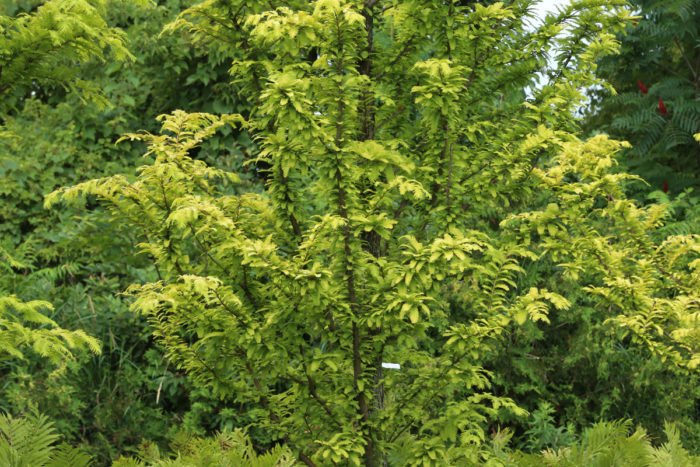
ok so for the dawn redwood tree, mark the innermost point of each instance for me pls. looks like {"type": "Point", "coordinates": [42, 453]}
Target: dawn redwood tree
{"type": "Point", "coordinates": [403, 159]}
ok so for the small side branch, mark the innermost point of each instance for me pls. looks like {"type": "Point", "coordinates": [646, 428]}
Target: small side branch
{"type": "Point", "coordinates": [398, 112]}
{"type": "Point", "coordinates": [449, 178]}
{"type": "Point", "coordinates": [312, 390]}
{"type": "Point", "coordinates": [273, 416]}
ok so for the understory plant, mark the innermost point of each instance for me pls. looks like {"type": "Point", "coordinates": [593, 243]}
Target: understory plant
{"type": "Point", "coordinates": [225, 448]}
{"type": "Point", "coordinates": [609, 444]}
{"type": "Point", "coordinates": [402, 159]}
{"type": "Point", "coordinates": [25, 325]}
{"type": "Point", "coordinates": [31, 441]}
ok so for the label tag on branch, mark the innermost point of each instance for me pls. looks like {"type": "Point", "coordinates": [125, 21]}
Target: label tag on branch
{"type": "Point", "coordinates": [393, 366]}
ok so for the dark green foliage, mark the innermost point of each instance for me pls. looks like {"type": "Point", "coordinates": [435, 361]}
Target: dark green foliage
{"type": "Point", "coordinates": [661, 50]}
{"type": "Point", "coordinates": [543, 431]}
{"type": "Point", "coordinates": [582, 368]}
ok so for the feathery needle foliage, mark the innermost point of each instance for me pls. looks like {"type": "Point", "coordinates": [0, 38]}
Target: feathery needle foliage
{"type": "Point", "coordinates": [403, 158]}
{"type": "Point", "coordinates": [30, 442]}
{"type": "Point", "coordinates": [43, 48]}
